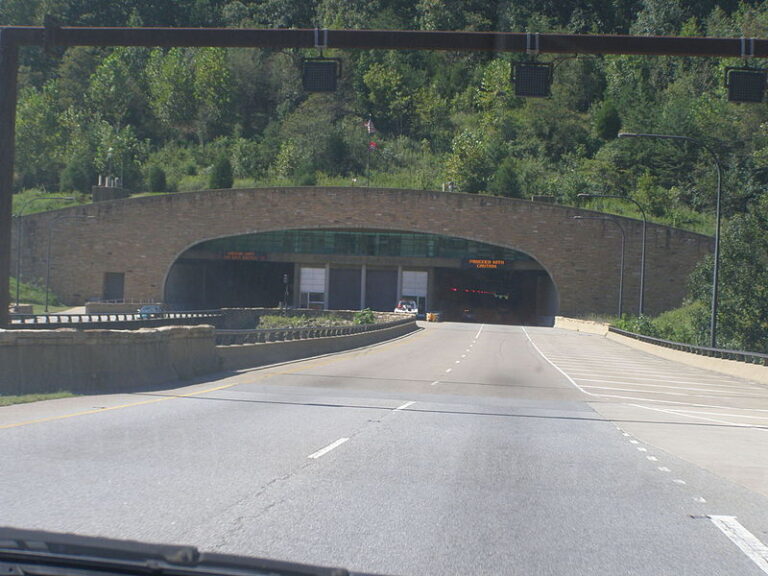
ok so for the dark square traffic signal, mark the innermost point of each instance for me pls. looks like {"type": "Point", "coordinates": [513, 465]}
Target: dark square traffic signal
{"type": "Point", "coordinates": [533, 80]}
{"type": "Point", "coordinates": [745, 84]}
{"type": "Point", "coordinates": [320, 75]}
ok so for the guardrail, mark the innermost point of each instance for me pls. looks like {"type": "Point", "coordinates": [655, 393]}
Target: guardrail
{"type": "Point", "coordinates": [114, 320]}
{"type": "Point", "coordinates": [737, 355]}
{"type": "Point", "coordinates": [261, 336]}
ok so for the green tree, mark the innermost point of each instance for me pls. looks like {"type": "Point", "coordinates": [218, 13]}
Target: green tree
{"type": "Point", "coordinates": [170, 80]}
{"type": "Point", "coordinates": [505, 181]}
{"type": "Point", "coordinates": [39, 137]}
{"type": "Point", "coordinates": [607, 120]}
{"type": "Point", "coordinates": [468, 165]}
{"type": "Point", "coordinates": [156, 180]}
{"type": "Point", "coordinates": [221, 173]}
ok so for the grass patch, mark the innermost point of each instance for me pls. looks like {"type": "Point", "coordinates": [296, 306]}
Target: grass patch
{"type": "Point", "coordinates": [30, 293]}
{"type": "Point", "coordinates": [27, 398]}
{"type": "Point", "coordinates": [34, 201]}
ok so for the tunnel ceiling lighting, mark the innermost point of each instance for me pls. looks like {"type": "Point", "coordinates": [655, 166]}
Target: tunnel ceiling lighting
{"type": "Point", "coordinates": [533, 80]}
{"type": "Point", "coordinates": [320, 74]}
{"type": "Point", "coordinates": [746, 84]}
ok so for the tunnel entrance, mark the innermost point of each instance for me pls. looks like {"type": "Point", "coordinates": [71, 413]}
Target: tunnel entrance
{"type": "Point", "coordinates": [494, 296]}
{"type": "Point", "coordinates": [352, 269]}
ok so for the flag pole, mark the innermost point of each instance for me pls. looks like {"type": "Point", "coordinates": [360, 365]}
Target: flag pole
{"type": "Point", "coordinates": [371, 129]}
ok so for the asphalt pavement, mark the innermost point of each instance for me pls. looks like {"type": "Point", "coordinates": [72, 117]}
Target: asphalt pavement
{"type": "Point", "coordinates": [459, 449]}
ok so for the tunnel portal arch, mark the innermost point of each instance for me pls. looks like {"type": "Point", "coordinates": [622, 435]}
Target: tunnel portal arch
{"type": "Point", "coordinates": [348, 269]}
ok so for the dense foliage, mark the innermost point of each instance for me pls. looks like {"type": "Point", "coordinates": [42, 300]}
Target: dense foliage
{"type": "Point", "coordinates": [168, 119]}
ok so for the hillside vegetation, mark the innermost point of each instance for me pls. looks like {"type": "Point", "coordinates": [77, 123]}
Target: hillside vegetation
{"type": "Point", "coordinates": [177, 119]}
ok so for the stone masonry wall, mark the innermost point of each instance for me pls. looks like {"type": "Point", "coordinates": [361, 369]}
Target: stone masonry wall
{"type": "Point", "coordinates": [142, 238]}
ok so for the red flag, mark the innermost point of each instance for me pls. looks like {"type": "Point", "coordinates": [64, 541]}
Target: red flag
{"type": "Point", "coordinates": [370, 127]}
{"type": "Point", "coordinates": [372, 145]}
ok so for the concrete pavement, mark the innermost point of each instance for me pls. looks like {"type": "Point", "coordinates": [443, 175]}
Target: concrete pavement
{"type": "Point", "coordinates": [461, 449]}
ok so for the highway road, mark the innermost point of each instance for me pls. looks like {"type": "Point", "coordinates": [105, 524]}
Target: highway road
{"type": "Point", "coordinates": [459, 449]}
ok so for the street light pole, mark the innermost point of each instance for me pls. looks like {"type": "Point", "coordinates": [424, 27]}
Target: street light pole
{"type": "Point", "coordinates": [621, 264]}
{"type": "Point", "coordinates": [20, 232]}
{"type": "Point", "coordinates": [641, 306]}
{"type": "Point", "coordinates": [716, 267]}
{"type": "Point", "coordinates": [48, 256]}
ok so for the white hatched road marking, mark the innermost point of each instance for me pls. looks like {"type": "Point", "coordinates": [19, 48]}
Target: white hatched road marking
{"type": "Point", "coordinates": [584, 390]}
{"type": "Point", "coordinates": [744, 539]}
{"type": "Point", "coordinates": [716, 420]}
{"type": "Point", "coordinates": [632, 390]}
{"type": "Point", "coordinates": [404, 406]}
{"type": "Point", "coordinates": [627, 382]}
{"type": "Point", "coordinates": [323, 451]}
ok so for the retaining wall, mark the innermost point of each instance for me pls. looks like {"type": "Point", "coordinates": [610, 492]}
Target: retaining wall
{"type": "Point", "coordinates": [105, 361]}
{"type": "Point", "coordinates": [102, 361]}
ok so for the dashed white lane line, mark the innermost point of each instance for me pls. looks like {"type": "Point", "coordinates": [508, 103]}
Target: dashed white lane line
{"type": "Point", "coordinates": [323, 451]}
{"type": "Point", "coordinates": [448, 370]}
{"type": "Point", "coordinates": [463, 355]}
{"type": "Point", "coordinates": [744, 539]}
{"type": "Point", "coordinates": [663, 469]}
{"type": "Point", "coordinates": [435, 383]}
{"type": "Point", "coordinates": [404, 406]}
{"type": "Point", "coordinates": [458, 362]}
{"type": "Point", "coordinates": [699, 499]}
{"type": "Point", "coordinates": [479, 332]}
{"type": "Point", "coordinates": [634, 442]}
{"type": "Point", "coordinates": [679, 481]}
{"type": "Point", "coordinates": [642, 449]}
{"type": "Point", "coordinates": [652, 458]}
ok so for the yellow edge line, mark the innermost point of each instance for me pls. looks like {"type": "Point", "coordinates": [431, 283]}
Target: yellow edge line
{"type": "Point", "coordinates": [315, 364]}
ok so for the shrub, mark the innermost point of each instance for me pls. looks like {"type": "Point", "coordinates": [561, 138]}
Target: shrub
{"type": "Point", "coordinates": [221, 174]}
{"type": "Point", "coordinates": [156, 179]}
{"type": "Point", "coordinates": [365, 317]}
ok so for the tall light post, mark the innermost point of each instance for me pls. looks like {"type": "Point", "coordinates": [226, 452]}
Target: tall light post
{"type": "Point", "coordinates": [716, 267]}
{"type": "Point", "coordinates": [621, 264]}
{"type": "Point", "coordinates": [641, 306]}
{"type": "Point", "coordinates": [20, 232]}
{"type": "Point", "coordinates": [48, 256]}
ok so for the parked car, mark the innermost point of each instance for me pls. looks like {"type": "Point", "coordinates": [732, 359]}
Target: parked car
{"type": "Point", "coordinates": [407, 307]}
{"type": "Point", "coordinates": [151, 311]}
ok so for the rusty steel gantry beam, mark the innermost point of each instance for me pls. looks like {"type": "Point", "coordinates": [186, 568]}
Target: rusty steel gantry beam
{"type": "Point", "coordinates": [49, 37]}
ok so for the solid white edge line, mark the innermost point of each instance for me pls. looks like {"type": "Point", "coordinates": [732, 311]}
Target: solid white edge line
{"type": "Point", "coordinates": [404, 406]}
{"type": "Point", "coordinates": [323, 451]}
{"type": "Point", "coordinates": [479, 332]}
{"type": "Point", "coordinates": [555, 366]}
{"type": "Point", "coordinates": [744, 539]}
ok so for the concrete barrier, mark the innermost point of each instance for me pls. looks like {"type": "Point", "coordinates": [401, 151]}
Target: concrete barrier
{"type": "Point", "coordinates": [752, 372]}
{"type": "Point", "coordinates": [100, 361]}
{"type": "Point", "coordinates": [238, 357]}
